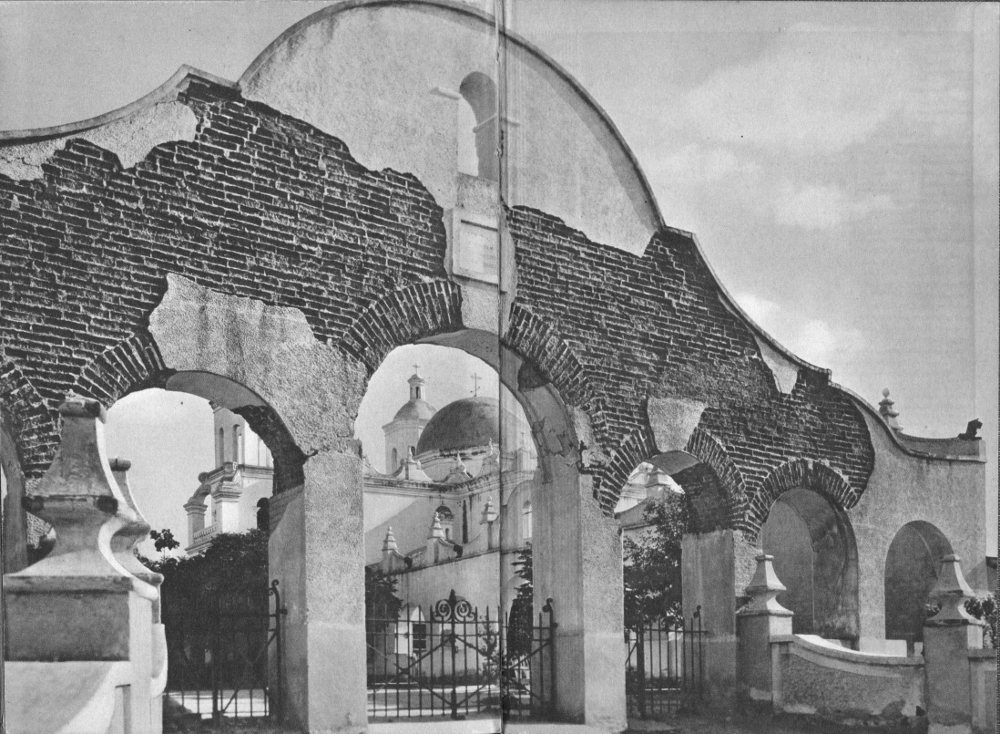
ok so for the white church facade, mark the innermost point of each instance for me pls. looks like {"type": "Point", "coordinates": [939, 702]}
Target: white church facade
{"type": "Point", "coordinates": [452, 511]}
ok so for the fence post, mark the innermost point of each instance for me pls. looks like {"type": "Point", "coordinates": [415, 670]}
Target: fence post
{"type": "Point", "coordinates": [948, 637]}
{"type": "Point", "coordinates": [549, 609]}
{"type": "Point", "coordinates": [756, 624]}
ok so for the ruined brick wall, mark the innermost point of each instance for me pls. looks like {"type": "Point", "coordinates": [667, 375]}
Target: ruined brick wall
{"type": "Point", "coordinates": [654, 325]}
{"type": "Point", "coordinates": [261, 205]}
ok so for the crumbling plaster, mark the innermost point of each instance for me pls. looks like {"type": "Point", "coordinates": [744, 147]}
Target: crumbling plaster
{"type": "Point", "coordinates": [130, 138]}
{"type": "Point", "coordinates": [395, 104]}
{"type": "Point", "coordinates": [314, 388]}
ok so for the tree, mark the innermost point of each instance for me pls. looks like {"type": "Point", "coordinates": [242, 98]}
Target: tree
{"type": "Point", "coordinates": [519, 622]}
{"type": "Point", "coordinates": [163, 540]}
{"type": "Point", "coordinates": [652, 563]}
{"type": "Point", "coordinates": [380, 594]}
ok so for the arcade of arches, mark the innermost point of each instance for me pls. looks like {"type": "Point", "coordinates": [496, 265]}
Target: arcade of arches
{"type": "Point", "coordinates": [279, 236]}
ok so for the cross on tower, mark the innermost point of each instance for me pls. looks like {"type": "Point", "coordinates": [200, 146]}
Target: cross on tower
{"type": "Point", "coordinates": [475, 385]}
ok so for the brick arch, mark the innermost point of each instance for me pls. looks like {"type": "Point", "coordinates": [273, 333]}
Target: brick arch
{"type": "Point", "coordinates": [536, 340]}
{"type": "Point", "coordinates": [132, 364]}
{"type": "Point", "coordinates": [637, 447]}
{"type": "Point", "coordinates": [798, 474]}
{"type": "Point", "coordinates": [32, 426]}
{"type": "Point", "coordinates": [135, 363]}
{"type": "Point", "coordinates": [402, 317]}
{"type": "Point", "coordinates": [709, 451]}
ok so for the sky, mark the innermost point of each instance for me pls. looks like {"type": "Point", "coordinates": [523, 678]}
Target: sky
{"type": "Point", "coordinates": [837, 161]}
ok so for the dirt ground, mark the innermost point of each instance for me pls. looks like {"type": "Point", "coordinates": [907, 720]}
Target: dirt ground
{"type": "Point", "coordinates": [736, 724]}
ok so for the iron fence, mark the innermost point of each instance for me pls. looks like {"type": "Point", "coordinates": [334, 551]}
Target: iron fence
{"type": "Point", "coordinates": [451, 660]}
{"type": "Point", "coordinates": [665, 666]}
{"type": "Point", "coordinates": [222, 655]}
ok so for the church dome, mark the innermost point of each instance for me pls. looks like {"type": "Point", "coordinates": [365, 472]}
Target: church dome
{"type": "Point", "coordinates": [463, 424]}
{"type": "Point", "coordinates": [416, 409]}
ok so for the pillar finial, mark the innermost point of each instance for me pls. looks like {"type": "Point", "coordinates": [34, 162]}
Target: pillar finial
{"type": "Point", "coordinates": [134, 527]}
{"type": "Point", "coordinates": [764, 589]}
{"type": "Point", "coordinates": [80, 498]}
{"type": "Point", "coordinates": [887, 411]}
{"type": "Point", "coordinates": [951, 591]}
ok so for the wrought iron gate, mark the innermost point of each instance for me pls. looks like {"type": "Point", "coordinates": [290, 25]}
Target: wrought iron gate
{"type": "Point", "coordinates": [451, 660]}
{"type": "Point", "coordinates": [222, 656]}
{"type": "Point", "coordinates": [665, 666]}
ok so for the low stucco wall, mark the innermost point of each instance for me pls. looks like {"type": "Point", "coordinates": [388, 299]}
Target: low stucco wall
{"type": "Point", "coordinates": [983, 669]}
{"type": "Point", "coordinates": [813, 676]}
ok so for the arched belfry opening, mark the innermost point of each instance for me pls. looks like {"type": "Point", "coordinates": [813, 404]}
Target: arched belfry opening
{"type": "Point", "coordinates": [477, 127]}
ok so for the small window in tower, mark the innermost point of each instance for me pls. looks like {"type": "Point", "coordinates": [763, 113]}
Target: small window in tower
{"type": "Point", "coordinates": [220, 443]}
{"type": "Point", "coordinates": [416, 392]}
{"type": "Point", "coordinates": [526, 520]}
{"type": "Point", "coordinates": [395, 460]}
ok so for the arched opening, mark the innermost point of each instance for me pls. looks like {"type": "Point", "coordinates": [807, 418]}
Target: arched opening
{"type": "Point", "coordinates": [477, 127]}
{"type": "Point", "coordinates": [911, 570]}
{"type": "Point", "coordinates": [213, 505]}
{"type": "Point", "coordinates": [436, 524]}
{"type": "Point", "coordinates": [555, 496]}
{"type": "Point", "coordinates": [816, 558]}
{"type": "Point", "coordinates": [678, 576]}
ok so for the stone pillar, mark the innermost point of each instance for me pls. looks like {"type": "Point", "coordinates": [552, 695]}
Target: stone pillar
{"type": "Point", "coordinates": [708, 581]}
{"type": "Point", "coordinates": [78, 614]}
{"type": "Point", "coordinates": [577, 561]}
{"type": "Point", "coordinates": [756, 624]}
{"type": "Point", "coordinates": [15, 525]}
{"type": "Point", "coordinates": [316, 552]}
{"type": "Point", "coordinates": [948, 637]}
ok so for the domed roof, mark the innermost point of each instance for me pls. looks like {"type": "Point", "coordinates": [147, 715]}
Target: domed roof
{"type": "Point", "coordinates": [463, 424]}
{"type": "Point", "coordinates": [416, 409]}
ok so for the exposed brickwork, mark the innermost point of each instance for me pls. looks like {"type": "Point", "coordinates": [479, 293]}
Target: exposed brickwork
{"type": "Point", "coordinates": [636, 448]}
{"type": "Point", "coordinates": [552, 357]}
{"type": "Point", "coordinates": [402, 317]}
{"type": "Point", "coordinates": [706, 501]}
{"type": "Point", "coordinates": [654, 325]}
{"type": "Point", "coordinates": [132, 364]}
{"type": "Point", "coordinates": [261, 205]}
{"type": "Point", "coordinates": [710, 452]}
{"type": "Point", "coordinates": [35, 430]}
{"type": "Point", "coordinates": [804, 474]}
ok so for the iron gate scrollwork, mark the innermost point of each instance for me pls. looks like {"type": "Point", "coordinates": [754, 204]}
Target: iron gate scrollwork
{"type": "Point", "coordinates": [665, 665]}
{"type": "Point", "coordinates": [452, 660]}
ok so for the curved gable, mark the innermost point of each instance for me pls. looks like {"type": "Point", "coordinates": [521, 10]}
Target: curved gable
{"type": "Point", "coordinates": [395, 103]}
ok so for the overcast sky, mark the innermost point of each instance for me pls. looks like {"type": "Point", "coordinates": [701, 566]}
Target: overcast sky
{"type": "Point", "coordinates": [838, 162]}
